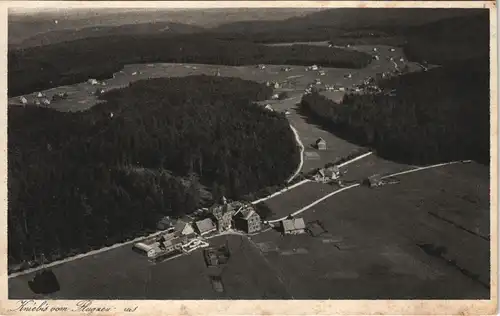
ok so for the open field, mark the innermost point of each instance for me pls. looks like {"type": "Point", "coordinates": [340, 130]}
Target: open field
{"type": "Point", "coordinates": [123, 274]}
{"type": "Point", "coordinates": [371, 247]}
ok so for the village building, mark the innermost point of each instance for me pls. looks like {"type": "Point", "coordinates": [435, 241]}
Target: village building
{"type": "Point", "coordinates": [376, 57]}
{"type": "Point", "coordinates": [374, 49]}
{"type": "Point", "coordinates": [23, 100]}
{"type": "Point", "coordinates": [293, 226]}
{"type": "Point", "coordinates": [45, 101]}
{"type": "Point", "coordinates": [276, 85]}
{"type": "Point", "coordinates": [275, 97]}
{"type": "Point", "coordinates": [39, 95]}
{"type": "Point", "coordinates": [261, 67]}
{"type": "Point", "coordinates": [205, 226]}
{"type": "Point", "coordinates": [161, 247]}
{"type": "Point", "coordinates": [322, 73]}
{"type": "Point", "coordinates": [183, 228]}
{"type": "Point", "coordinates": [327, 174]}
{"type": "Point", "coordinates": [93, 81]}
{"type": "Point", "coordinates": [223, 215]}
{"type": "Point", "coordinates": [392, 50]}
{"type": "Point", "coordinates": [248, 220]}
{"type": "Point", "coordinates": [269, 107]}
{"type": "Point", "coordinates": [348, 75]}
{"type": "Point", "coordinates": [373, 181]}
{"type": "Point", "coordinates": [164, 223]}
{"type": "Point", "coordinates": [321, 144]}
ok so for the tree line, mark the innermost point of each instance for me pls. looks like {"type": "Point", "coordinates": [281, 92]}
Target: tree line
{"type": "Point", "coordinates": [434, 116]}
{"type": "Point", "coordinates": [44, 67]}
{"type": "Point", "coordinates": [78, 181]}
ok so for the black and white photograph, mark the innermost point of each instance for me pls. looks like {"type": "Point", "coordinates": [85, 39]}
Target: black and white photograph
{"type": "Point", "coordinates": [250, 153]}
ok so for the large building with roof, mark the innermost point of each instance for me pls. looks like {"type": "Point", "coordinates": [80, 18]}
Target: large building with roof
{"type": "Point", "coordinates": [293, 226]}
{"type": "Point", "coordinates": [205, 226]}
{"type": "Point", "coordinates": [248, 220]}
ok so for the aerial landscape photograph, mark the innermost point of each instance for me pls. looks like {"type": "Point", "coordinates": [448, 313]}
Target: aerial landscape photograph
{"type": "Point", "coordinates": [249, 154]}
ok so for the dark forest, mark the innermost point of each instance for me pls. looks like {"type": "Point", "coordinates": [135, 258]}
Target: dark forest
{"type": "Point", "coordinates": [79, 181]}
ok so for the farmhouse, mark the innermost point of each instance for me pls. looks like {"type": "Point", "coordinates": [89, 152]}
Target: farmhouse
{"type": "Point", "coordinates": [269, 107]}
{"type": "Point", "coordinates": [205, 226]}
{"type": "Point", "coordinates": [373, 181]}
{"type": "Point", "coordinates": [45, 101]}
{"type": "Point", "coordinates": [321, 144]}
{"type": "Point", "coordinates": [261, 67]}
{"type": "Point", "coordinates": [39, 95]}
{"type": "Point", "coordinates": [59, 96]}
{"type": "Point", "coordinates": [161, 247]}
{"type": "Point", "coordinates": [293, 226]}
{"type": "Point", "coordinates": [183, 228]}
{"type": "Point", "coordinates": [327, 174]}
{"type": "Point", "coordinates": [275, 97]}
{"type": "Point", "coordinates": [93, 81]}
{"type": "Point", "coordinates": [23, 100]}
{"type": "Point", "coordinates": [248, 220]}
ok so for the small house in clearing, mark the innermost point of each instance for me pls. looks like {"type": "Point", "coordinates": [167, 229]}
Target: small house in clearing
{"type": "Point", "coordinates": [293, 226]}
{"type": "Point", "coordinates": [269, 107]}
{"type": "Point", "coordinates": [321, 144]}
{"type": "Point", "coordinates": [93, 81]}
{"type": "Point", "coordinates": [45, 101]}
{"type": "Point", "coordinates": [373, 181]}
{"type": "Point", "coordinates": [248, 220]}
{"type": "Point", "coordinates": [275, 97]}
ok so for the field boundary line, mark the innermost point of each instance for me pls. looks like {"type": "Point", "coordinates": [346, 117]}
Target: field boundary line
{"type": "Point", "coordinates": [425, 168]}
{"type": "Point", "coordinates": [305, 208]}
{"type": "Point", "coordinates": [280, 192]}
{"type": "Point", "coordinates": [355, 159]}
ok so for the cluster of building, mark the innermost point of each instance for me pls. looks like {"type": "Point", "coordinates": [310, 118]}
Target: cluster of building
{"type": "Point", "coordinates": [326, 175]}
{"type": "Point", "coordinates": [40, 99]}
{"type": "Point", "coordinates": [185, 236]}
